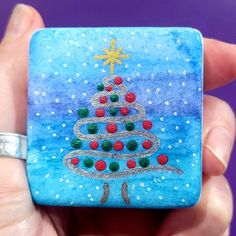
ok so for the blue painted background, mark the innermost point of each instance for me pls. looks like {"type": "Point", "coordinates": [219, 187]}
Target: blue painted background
{"type": "Point", "coordinates": [164, 70]}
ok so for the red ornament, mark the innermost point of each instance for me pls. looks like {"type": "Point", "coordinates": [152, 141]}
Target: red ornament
{"type": "Point", "coordinates": [162, 159]}
{"type": "Point", "coordinates": [130, 97]}
{"type": "Point", "coordinates": [118, 80]}
{"type": "Point", "coordinates": [100, 165]}
{"type": "Point", "coordinates": [124, 111]}
{"type": "Point", "coordinates": [147, 144]}
{"type": "Point", "coordinates": [103, 99]}
{"type": "Point", "coordinates": [75, 161]}
{"type": "Point", "coordinates": [118, 145]}
{"type": "Point", "coordinates": [131, 164]}
{"type": "Point", "coordinates": [147, 124]}
{"type": "Point", "coordinates": [111, 128]}
{"type": "Point", "coordinates": [100, 112]}
{"type": "Point", "coordinates": [94, 145]}
{"type": "Point", "coordinates": [108, 88]}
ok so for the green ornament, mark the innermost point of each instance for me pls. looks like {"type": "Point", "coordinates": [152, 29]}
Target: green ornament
{"type": "Point", "coordinates": [114, 166]}
{"type": "Point", "coordinates": [76, 143]}
{"type": "Point", "coordinates": [114, 97]}
{"type": "Point", "coordinates": [144, 162]}
{"type": "Point", "coordinates": [83, 112]}
{"type": "Point", "coordinates": [132, 145]}
{"type": "Point", "coordinates": [107, 145]}
{"type": "Point", "coordinates": [92, 128]}
{"type": "Point", "coordinates": [113, 111]}
{"type": "Point", "coordinates": [129, 126]}
{"type": "Point", "coordinates": [100, 87]}
{"type": "Point", "coordinates": [88, 162]}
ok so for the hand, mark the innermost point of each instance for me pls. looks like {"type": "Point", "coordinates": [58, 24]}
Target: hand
{"type": "Point", "coordinates": [18, 214]}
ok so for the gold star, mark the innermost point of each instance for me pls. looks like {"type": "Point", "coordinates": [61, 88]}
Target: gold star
{"type": "Point", "coordinates": [111, 57]}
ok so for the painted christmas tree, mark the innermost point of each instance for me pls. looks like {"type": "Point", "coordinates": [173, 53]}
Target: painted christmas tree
{"type": "Point", "coordinates": [118, 133]}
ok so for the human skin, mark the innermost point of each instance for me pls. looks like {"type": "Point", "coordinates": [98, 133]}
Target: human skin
{"type": "Point", "coordinates": [20, 216]}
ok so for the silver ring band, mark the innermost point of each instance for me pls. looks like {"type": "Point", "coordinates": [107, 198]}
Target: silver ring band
{"type": "Point", "coordinates": [13, 145]}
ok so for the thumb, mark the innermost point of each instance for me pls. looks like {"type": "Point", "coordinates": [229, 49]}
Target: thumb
{"type": "Point", "coordinates": [14, 67]}
{"type": "Point", "coordinates": [15, 198]}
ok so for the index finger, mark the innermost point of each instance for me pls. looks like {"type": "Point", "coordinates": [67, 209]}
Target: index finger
{"type": "Point", "coordinates": [219, 63]}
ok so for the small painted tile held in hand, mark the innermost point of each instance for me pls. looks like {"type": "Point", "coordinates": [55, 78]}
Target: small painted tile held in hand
{"type": "Point", "coordinates": [118, 125]}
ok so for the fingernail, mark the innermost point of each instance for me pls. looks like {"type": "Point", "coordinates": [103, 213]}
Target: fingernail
{"type": "Point", "coordinates": [20, 21]}
{"type": "Point", "coordinates": [218, 141]}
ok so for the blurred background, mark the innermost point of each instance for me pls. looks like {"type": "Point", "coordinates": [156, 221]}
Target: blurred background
{"type": "Point", "coordinates": [215, 19]}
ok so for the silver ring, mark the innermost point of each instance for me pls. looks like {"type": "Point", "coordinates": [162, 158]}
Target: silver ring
{"type": "Point", "coordinates": [13, 145]}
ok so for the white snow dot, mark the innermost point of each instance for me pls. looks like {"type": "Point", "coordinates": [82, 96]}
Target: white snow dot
{"type": "Point", "coordinates": [54, 157]}
{"type": "Point", "coordinates": [37, 114]}
{"type": "Point", "coordinates": [138, 198]}
{"type": "Point", "coordinates": [43, 75]}
{"type": "Point", "coordinates": [54, 134]}
{"type": "Point", "coordinates": [184, 72]}
{"type": "Point", "coordinates": [86, 81]}
{"type": "Point", "coordinates": [63, 125]}
{"type": "Point", "coordinates": [105, 39]}
{"type": "Point", "coordinates": [169, 71]}
{"type": "Point", "coordinates": [187, 60]}
{"type": "Point", "coordinates": [57, 100]}
{"type": "Point", "coordinates": [57, 196]}
{"type": "Point", "coordinates": [187, 185]}
{"type": "Point", "coordinates": [61, 149]}
{"type": "Point", "coordinates": [182, 200]}
{"type": "Point", "coordinates": [67, 181]}
{"type": "Point", "coordinates": [185, 102]}
{"type": "Point", "coordinates": [161, 118]}
{"type": "Point", "coordinates": [176, 127]}
{"type": "Point", "coordinates": [81, 186]}
{"type": "Point", "coordinates": [180, 141]}
{"type": "Point", "coordinates": [71, 203]}
{"type": "Point", "coordinates": [89, 195]}
{"type": "Point", "coordinates": [69, 111]}
{"type": "Point", "coordinates": [193, 164]}
{"type": "Point", "coordinates": [133, 186]}
{"type": "Point", "coordinates": [52, 113]}
{"type": "Point", "coordinates": [167, 58]}
{"type": "Point", "coordinates": [175, 188]}
{"type": "Point", "coordinates": [160, 197]}
{"type": "Point", "coordinates": [68, 54]}
{"type": "Point", "coordinates": [139, 65]}
{"type": "Point", "coordinates": [111, 33]}
{"type": "Point", "coordinates": [73, 96]}
{"type": "Point", "coordinates": [162, 129]}
{"type": "Point", "coordinates": [91, 199]}
{"type": "Point", "coordinates": [47, 47]}
{"type": "Point", "coordinates": [77, 74]}
{"type": "Point", "coordinates": [50, 60]}
{"type": "Point", "coordinates": [43, 94]}
{"type": "Point", "coordinates": [90, 48]}
{"type": "Point", "coordinates": [146, 50]}
{"type": "Point", "coordinates": [36, 102]}
{"type": "Point", "coordinates": [177, 160]}
{"type": "Point", "coordinates": [84, 94]}
{"type": "Point", "coordinates": [128, 79]}
{"type": "Point", "coordinates": [47, 175]}
{"type": "Point", "coordinates": [148, 90]}
{"type": "Point", "coordinates": [130, 46]}
{"type": "Point", "coordinates": [142, 184]}
{"type": "Point", "coordinates": [149, 102]}
{"type": "Point", "coordinates": [36, 93]}
{"type": "Point", "coordinates": [43, 148]}
{"type": "Point", "coordinates": [96, 65]}
{"type": "Point", "coordinates": [37, 192]}
{"type": "Point", "coordinates": [31, 127]}
{"type": "Point", "coordinates": [69, 80]}
{"type": "Point", "coordinates": [67, 138]}
{"type": "Point", "coordinates": [170, 84]}
{"type": "Point", "coordinates": [183, 84]}
{"type": "Point", "coordinates": [163, 178]}
{"type": "Point", "coordinates": [65, 65]}
{"type": "Point", "coordinates": [48, 127]}
{"type": "Point", "coordinates": [138, 74]}
{"type": "Point", "coordinates": [199, 89]}
{"type": "Point", "coordinates": [97, 187]}
{"type": "Point", "coordinates": [194, 154]}
{"type": "Point", "coordinates": [167, 103]}
{"type": "Point", "coordinates": [175, 113]}
{"type": "Point", "coordinates": [61, 180]}
{"type": "Point", "coordinates": [83, 35]}
{"type": "Point", "coordinates": [158, 45]}
{"type": "Point", "coordinates": [149, 189]}
{"type": "Point", "coordinates": [187, 122]}
{"type": "Point", "coordinates": [84, 64]}
{"type": "Point", "coordinates": [158, 90]}
{"type": "Point", "coordinates": [178, 41]}
{"type": "Point", "coordinates": [169, 146]}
